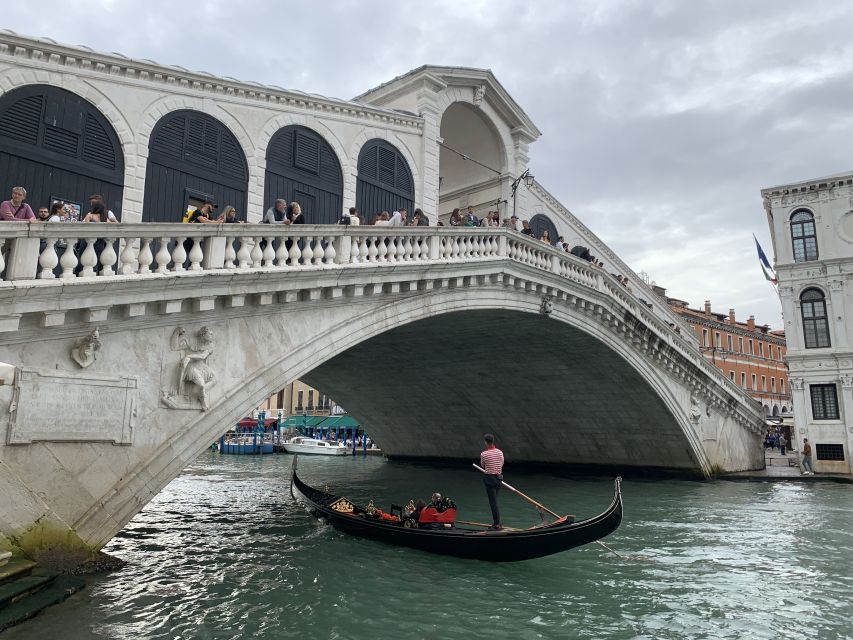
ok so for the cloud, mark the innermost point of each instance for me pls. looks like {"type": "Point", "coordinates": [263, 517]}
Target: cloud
{"type": "Point", "coordinates": [661, 120]}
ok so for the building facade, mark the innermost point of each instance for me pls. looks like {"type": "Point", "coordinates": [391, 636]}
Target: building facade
{"type": "Point", "coordinates": [751, 355]}
{"type": "Point", "coordinates": [811, 224]}
{"type": "Point", "coordinates": [298, 399]}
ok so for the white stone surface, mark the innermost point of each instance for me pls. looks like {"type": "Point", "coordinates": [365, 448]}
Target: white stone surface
{"type": "Point", "coordinates": [829, 200]}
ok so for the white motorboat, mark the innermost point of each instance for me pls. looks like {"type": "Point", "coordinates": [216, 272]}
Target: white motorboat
{"type": "Point", "coordinates": [301, 444]}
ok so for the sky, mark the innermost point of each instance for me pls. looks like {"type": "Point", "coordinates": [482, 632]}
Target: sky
{"type": "Point", "coordinates": [661, 120]}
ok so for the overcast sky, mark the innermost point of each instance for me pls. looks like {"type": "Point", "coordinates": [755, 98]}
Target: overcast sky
{"type": "Point", "coordinates": [660, 121]}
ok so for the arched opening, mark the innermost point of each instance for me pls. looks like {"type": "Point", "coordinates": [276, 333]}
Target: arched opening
{"type": "Point", "coordinates": [775, 410]}
{"type": "Point", "coordinates": [193, 157]}
{"type": "Point", "coordinates": [541, 223]}
{"type": "Point", "coordinates": [471, 160]}
{"type": "Point", "coordinates": [58, 146]}
{"type": "Point", "coordinates": [815, 319]}
{"type": "Point", "coordinates": [766, 411]}
{"type": "Point", "coordinates": [302, 167]}
{"type": "Point", "coordinates": [803, 236]}
{"type": "Point", "coordinates": [385, 181]}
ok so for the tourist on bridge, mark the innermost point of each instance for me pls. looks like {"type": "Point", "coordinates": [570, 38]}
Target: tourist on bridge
{"type": "Point", "coordinates": [471, 219]}
{"type": "Point", "coordinates": [455, 218]}
{"type": "Point", "coordinates": [294, 214]}
{"type": "Point", "coordinates": [782, 443]}
{"type": "Point", "coordinates": [398, 218]}
{"type": "Point", "coordinates": [15, 209]}
{"type": "Point", "coordinates": [277, 214]}
{"type": "Point", "coordinates": [492, 460]}
{"type": "Point", "coordinates": [525, 228]}
{"type": "Point", "coordinates": [511, 223]}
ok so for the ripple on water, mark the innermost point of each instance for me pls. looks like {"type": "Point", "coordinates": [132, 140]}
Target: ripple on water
{"type": "Point", "coordinates": [224, 552]}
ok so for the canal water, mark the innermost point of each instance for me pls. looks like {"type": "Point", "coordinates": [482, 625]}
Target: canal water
{"type": "Point", "coordinates": [225, 552]}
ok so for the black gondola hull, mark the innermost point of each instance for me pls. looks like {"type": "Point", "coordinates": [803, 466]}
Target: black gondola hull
{"type": "Point", "coordinates": [495, 546]}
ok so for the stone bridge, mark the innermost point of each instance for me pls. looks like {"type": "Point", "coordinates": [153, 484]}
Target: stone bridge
{"type": "Point", "coordinates": [431, 336]}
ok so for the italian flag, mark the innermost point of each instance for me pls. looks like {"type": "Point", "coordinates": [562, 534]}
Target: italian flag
{"type": "Point", "coordinates": [769, 274]}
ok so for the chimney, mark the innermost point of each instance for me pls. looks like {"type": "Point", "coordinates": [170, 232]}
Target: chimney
{"type": "Point", "coordinates": [750, 323]}
{"type": "Point", "coordinates": [707, 307]}
{"type": "Point", "coordinates": [731, 316]}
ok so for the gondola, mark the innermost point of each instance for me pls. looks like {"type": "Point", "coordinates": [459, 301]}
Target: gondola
{"type": "Point", "coordinates": [497, 546]}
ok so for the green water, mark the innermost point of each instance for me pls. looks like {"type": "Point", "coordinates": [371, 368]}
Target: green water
{"type": "Point", "coordinates": [224, 552]}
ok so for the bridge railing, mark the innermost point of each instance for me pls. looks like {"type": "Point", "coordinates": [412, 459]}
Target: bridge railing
{"type": "Point", "coordinates": [61, 252]}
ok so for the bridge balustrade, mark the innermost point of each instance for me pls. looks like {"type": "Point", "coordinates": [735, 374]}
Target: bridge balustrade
{"type": "Point", "coordinates": [75, 252]}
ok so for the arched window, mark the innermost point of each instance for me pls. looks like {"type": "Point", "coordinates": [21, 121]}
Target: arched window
{"type": "Point", "coordinates": [815, 320]}
{"type": "Point", "coordinates": [59, 147]}
{"type": "Point", "coordinates": [803, 236]}
{"type": "Point", "coordinates": [385, 181]}
{"type": "Point", "coordinates": [540, 223]}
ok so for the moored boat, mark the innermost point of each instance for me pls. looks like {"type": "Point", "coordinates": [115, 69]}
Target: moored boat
{"type": "Point", "coordinates": [311, 446]}
{"type": "Point", "coordinates": [505, 545]}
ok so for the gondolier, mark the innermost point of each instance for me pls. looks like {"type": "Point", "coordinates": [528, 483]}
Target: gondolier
{"type": "Point", "coordinates": [492, 460]}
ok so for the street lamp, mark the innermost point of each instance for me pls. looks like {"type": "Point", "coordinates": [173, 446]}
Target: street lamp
{"type": "Point", "coordinates": [527, 177]}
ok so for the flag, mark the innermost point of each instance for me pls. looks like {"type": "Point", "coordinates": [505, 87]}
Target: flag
{"type": "Point", "coordinates": [765, 263]}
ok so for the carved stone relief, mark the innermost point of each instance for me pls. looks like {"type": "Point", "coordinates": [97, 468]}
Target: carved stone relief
{"type": "Point", "coordinates": [547, 306]}
{"type": "Point", "coordinates": [85, 349]}
{"type": "Point", "coordinates": [195, 377]}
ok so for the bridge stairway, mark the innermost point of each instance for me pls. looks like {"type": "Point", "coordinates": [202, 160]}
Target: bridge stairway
{"type": "Point", "coordinates": [26, 590]}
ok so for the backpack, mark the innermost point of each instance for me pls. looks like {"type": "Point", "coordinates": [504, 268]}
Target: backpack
{"type": "Point", "coordinates": [344, 220]}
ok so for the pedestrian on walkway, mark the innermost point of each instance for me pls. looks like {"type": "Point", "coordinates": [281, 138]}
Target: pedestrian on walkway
{"type": "Point", "coordinates": [807, 458]}
{"type": "Point", "coordinates": [782, 443]}
{"type": "Point", "coordinates": [492, 460]}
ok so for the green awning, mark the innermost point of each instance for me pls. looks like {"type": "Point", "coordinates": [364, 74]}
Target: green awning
{"type": "Point", "coordinates": [340, 422]}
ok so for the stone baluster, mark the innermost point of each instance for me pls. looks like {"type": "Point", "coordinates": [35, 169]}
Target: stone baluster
{"type": "Point", "coordinates": [425, 248]}
{"type": "Point", "coordinates": [392, 249]}
{"type": "Point", "coordinates": [307, 252]}
{"type": "Point", "coordinates": [230, 254]}
{"type": "Point", "coordinates": [355, 250]}
{"type": "Point", "coordinates": [2, 259]}
{"type": "Point", "coordinates": [179, 255]}
{"type": "Point", "coordinates": [146, 258]}
{"type": "Point", "coordinates": [330, 254]}
{"type": "Point", "coordinates": [381, 249]}
{"type": "Point", "coordinates": [244, 256]}
{"type": "Point", "coordinates": [196, 255]}
{"type": "Point", "coordinates": [108, 258]}
{"type": "Point", "coordinates": [319, 251]}
{"type": "Point", "coordinates": [294, 253]}
{"type": "Point", "coordinates": [48, 260]}
{"type": "Point", "coordinates": [454, 249]}
{"type": "Point", "coordinates": [89, 259]}
{"type": "Point", "coordinates": [127, 258]}
{"type": "Point", "coordinates": [68, 261]}
{"type": "Point", "coordinates": [257, 254]}
{"type": "Point", "coordinates": [373, 250]}
{"type": "Point", "coordinates": [281, 253]}
{"type": "Point", "coordinates": [269, 253]}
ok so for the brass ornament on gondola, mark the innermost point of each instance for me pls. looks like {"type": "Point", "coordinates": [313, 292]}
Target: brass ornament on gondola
{"type": "Point", "coordinates": [342, 505]}
{"type": "Point", "coordinates": [370, 509]}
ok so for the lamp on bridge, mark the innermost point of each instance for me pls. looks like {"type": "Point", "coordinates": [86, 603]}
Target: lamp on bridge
{"type": "Point", "coordinates": [527, 178]}
{"type": "Point", "coordinates": [713, 351]}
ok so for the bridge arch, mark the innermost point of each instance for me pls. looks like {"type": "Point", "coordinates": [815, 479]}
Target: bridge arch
{"type": "Point", "coordinates": [648, 420]}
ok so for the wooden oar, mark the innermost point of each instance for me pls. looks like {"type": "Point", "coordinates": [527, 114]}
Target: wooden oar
{"type": "Point", "coordinates": [541, 506]}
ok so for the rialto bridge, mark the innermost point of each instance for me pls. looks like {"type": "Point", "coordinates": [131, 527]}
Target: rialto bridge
{"type": "Point", "coordinates": [125, 359]}
{"type": "Point", "coordinates": [429, 335]}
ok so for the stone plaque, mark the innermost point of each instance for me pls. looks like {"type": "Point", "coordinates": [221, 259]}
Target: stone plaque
{"type": "Point", "coordinates": [64, 407]}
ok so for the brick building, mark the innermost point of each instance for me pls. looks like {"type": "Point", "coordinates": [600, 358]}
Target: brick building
{"type": "Point", "coordinates": [751, 355]}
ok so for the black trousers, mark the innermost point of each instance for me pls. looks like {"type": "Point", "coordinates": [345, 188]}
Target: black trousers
{"type": "Point", "coordinates": [493, 485]}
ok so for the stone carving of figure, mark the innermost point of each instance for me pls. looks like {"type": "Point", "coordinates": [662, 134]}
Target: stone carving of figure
{"type": "Point", "coordinates": [547, 305]}
{"type": "Point", "coordinates": [85, 349]}
{"type": "Point", "coordinates": [194, 368]}
{"type": "Point", "coordinates": [695, 409]}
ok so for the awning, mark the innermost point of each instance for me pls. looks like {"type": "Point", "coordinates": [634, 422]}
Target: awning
{"type": "Point", "coordinates": [253, 422]}
{"type": "Point", "coordinates": [340, 422]}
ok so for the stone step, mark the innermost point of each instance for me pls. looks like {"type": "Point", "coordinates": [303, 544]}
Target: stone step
{"type": "Point", "coordinates": [14, 590]}
{"type": "Point", "coordinates": [15, 568]}
{"type": "Point", "coordinates": [61, 588]}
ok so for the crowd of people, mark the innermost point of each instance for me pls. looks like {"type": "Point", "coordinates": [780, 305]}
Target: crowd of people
{"type": "Point", "coordinates": [282, 212]}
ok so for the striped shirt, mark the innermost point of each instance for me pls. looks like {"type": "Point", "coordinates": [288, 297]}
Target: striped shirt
{"type": "Point", "coordinates": [492, 460]}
